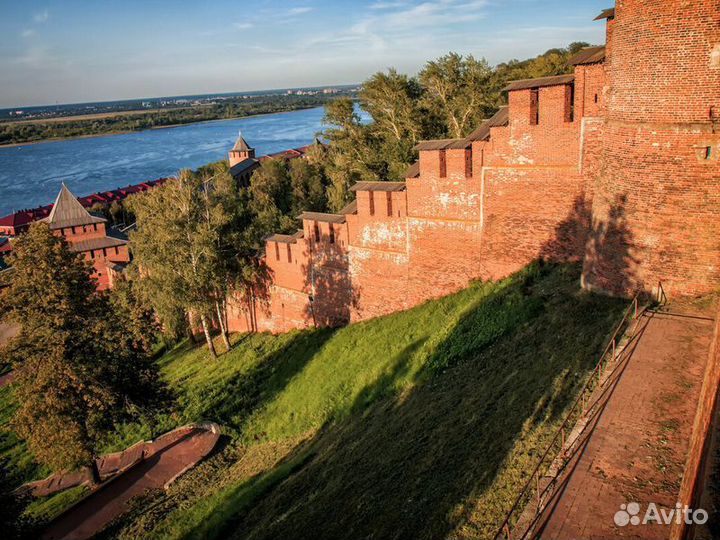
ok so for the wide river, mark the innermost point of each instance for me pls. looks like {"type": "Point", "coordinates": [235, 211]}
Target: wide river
{"type": "Point", "coordinates": [30, 175]}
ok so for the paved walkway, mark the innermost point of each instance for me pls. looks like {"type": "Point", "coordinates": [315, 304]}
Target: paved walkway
{"type": "Point", "coordinates": [638, 449]}
{"type": "Point", "coordinates": [92, 514]}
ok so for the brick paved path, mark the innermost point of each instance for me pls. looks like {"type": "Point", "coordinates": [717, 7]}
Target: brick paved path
{"type": "Point", "coordinates": [638, 449]}
{"type": "Point", "coordinates": [98, 509]}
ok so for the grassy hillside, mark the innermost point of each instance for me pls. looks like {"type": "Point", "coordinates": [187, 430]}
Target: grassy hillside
{"type": "Point", "coordinates": [419, 424]}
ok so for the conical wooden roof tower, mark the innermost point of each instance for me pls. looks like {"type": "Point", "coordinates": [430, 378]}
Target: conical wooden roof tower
{"type": "Point", "coordinates": [68, 212]}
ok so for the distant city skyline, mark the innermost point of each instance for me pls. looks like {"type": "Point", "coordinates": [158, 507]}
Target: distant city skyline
{"type": "Point", "coordinates": [74, 51]}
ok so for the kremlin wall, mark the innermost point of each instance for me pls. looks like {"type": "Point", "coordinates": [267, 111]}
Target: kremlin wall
{"type": "Point", "coordinates": [616, 166]}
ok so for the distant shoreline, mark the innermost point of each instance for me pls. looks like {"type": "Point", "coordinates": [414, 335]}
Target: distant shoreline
{"type": "Point", "coordinates": [169, 126]}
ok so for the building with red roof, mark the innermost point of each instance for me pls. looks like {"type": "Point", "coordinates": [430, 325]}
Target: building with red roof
{"type": "Point", "coordinates": [87, 235]}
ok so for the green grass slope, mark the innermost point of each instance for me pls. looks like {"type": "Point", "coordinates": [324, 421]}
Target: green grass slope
{"type": "Point", "coordinates": [420, 424]}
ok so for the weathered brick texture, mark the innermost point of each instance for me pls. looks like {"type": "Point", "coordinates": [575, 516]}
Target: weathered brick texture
{"type": "Point", "coordinates": [656, 209]}
{"type": "Point", "coordinates": [619, 168]}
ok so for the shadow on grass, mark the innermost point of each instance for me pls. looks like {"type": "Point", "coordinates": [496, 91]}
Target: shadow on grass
{"type": "Point", "coordinates": [447, 457]}
{"type": "Point", "coordinates": [246, 391]}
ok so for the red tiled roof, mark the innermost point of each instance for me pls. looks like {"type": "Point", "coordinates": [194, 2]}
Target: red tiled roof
{"type": "Point", "coordinates": [17, 219]}
{"type": "Point", "coordinates": [588, 55]}
{"type": "Point", "coordinates": [287, 154]}
{"type": "Point", "coordinates": [540, 82]}
{"type": "Point", "coordinates": [25, 217]}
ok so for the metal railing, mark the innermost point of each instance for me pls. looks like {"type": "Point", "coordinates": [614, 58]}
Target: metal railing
{"type": "Point", "coordinates": [579, 409]}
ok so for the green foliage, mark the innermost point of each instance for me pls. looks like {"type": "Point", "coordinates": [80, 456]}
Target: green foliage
{"type": "Point", "coordinates": [45, 509]}
{"type": "Point", "coordinates": [461, 91]}
{"type": "Point", "coordinates": [77, 369]}
{"type": "Point", "coordinates": [280, 190]}
{"type": "Point", "coordinates": [308, 182]}
{"type": "Point", "coordinates": [188, 247]}
{"type": "Point", "coordinates": [271, 199]}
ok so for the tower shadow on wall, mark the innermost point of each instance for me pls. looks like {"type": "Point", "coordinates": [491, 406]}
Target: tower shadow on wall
{"type": "Point", "coordinates": [328, 284]}
{"type": "Point", "coordinates": [252, 297]}
{"type": "Point", "coordinates": [603, 246]}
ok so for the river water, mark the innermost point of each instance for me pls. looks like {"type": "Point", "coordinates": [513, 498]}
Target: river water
{"type": "Point", "coordinates": [30, 175]}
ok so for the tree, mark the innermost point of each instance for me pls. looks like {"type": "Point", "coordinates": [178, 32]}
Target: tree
{"type": "Point", "coordinates": [270, 201]}
{"type": "Point", "coordinates": [401, 119]}
{"type": "Point", "coordinates": [393, 102]}
{"type": "Point", "coordinates": [354, 152]}
{"type": "Point", "coordinates": [193, 246]}
{"type": "Point", "coordinates": [552, 62]}
{"type": "Point", "coordinates": [116, 212]}
{"type": "Point", "coordinates": [461, 90]}
{"type": "Point", "coordinates": [308, 183]}
{"type": "Point", "coordinates": [77, 368]}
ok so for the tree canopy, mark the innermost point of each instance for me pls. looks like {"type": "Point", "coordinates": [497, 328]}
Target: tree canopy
{"type": "Point", "coordinates": [78, 368]}
{"type": "Point", "coordinates": [196, 241]}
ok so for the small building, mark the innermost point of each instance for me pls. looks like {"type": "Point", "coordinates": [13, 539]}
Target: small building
{"type": "Point", "coordinates": [87, 234]}
{"type": "Point", "coordinates": [242, 161]}
{"type": "Point", "coordinates": [15, 223]}
{"type": "Point", "coordinates": [18, 222]}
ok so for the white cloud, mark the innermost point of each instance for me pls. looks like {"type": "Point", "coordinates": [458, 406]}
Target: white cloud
{"type": "Point", "coordinates": [299, 10]}
{"type": "Point", "coordinates": [387, 5]}
{"type": "Point", "coordinates": [394, 27]}
{"type": "Point", "coordinates": [28, 32]}
{"type": "Point", "coordinates": [42, 16]}
{"type": "Point", "coordinates": [243, 25]}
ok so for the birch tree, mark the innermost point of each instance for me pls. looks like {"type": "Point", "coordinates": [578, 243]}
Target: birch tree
{"type": "Point", "coordinates": [191, 246]}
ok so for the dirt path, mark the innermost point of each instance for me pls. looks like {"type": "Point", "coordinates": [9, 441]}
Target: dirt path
{"type": "Point", "coordinates": [92, 514]}
{"type": "Point", "coordinates": [638, 448]}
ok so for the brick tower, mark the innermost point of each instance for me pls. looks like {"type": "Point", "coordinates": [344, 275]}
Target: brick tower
{"type": "Point", "coordinates": [241, 151]}
{"type": "Point", "coordinates": [656, 208]}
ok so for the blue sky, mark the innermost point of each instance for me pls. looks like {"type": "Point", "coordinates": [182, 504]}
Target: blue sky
{"type": "Point", "coordinates": [88, 50]}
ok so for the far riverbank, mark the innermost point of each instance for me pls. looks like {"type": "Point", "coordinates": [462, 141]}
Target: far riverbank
{"type": "Point", "coordinates": [125, 132]}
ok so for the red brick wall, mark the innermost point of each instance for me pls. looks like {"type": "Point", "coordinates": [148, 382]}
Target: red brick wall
{"type": "Point", "coordinates": [697, 459]}
{"type": "Point", "coordinates": [590, 90]}
{"type": "Point", "coordinates": [656, 210]}
{"type": "Point", "coordinates": [472, 213]}
{"type": "Point", "coordinates": [378, 254]}
{"type": "Point", "coordinates": [551, 142]}
{"type": "Point", "coordinates": [660, 60]}
{"type": "Point", "coordinates": [518, 228]}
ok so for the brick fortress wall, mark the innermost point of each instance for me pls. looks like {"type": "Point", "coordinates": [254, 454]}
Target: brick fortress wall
{"type": "Point", "coordinates": [656, 209]}
{"type": "Point", "coordinates": [605, 166]}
